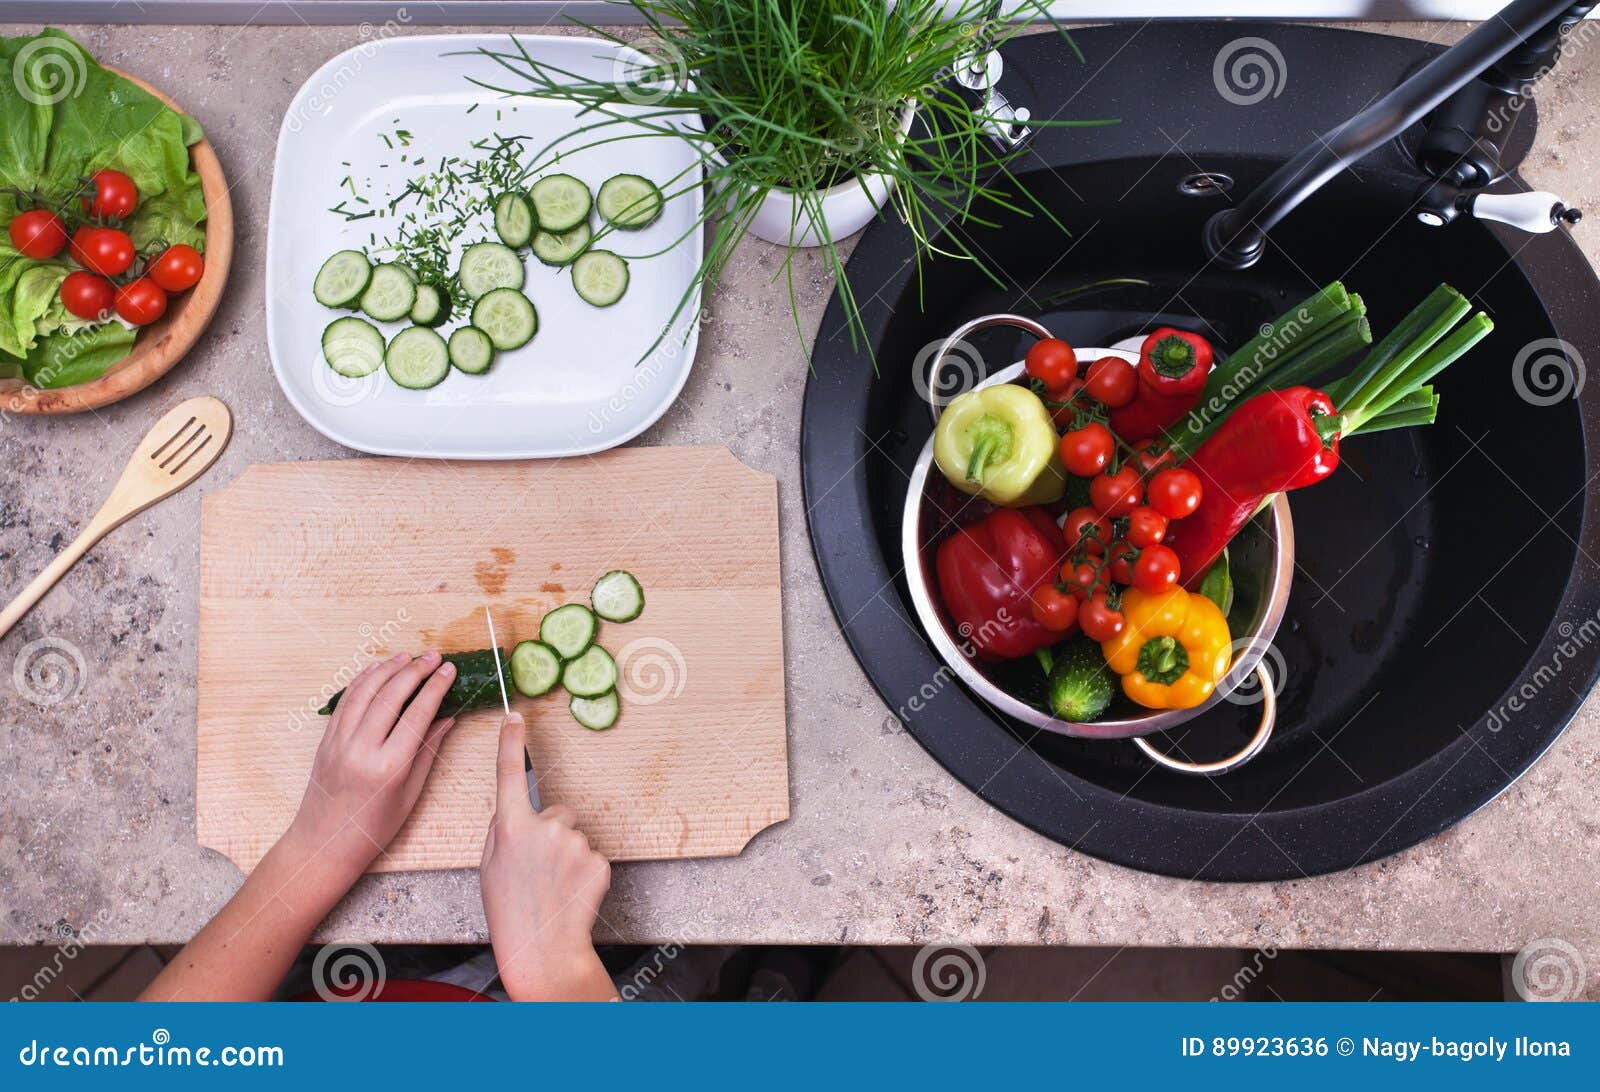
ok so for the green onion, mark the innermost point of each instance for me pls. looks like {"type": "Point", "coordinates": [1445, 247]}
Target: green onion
{"type": "Point", "coordinates": [1408, 330]}
{"type": "Point", "coordinates": [1390, 370]}
{"type": "Point", "coordinates": [1298, 345]}
{"type": "Point", "coordinates": [1422, 369]}
{"type": "Point", "coordinates": [1345, 336]}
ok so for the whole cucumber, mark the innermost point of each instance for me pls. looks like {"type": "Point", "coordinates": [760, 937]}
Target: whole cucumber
{"type": "Point", "coordinates": [476, 687]}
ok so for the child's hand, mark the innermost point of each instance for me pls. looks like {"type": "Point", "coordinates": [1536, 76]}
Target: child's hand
{"type": "Point", "coordinates": [371, 764]}
{"type": "Point", "coordinates": [542, 887]}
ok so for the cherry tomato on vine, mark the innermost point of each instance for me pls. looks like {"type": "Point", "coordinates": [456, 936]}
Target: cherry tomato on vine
{"type": "Point", "coordinates": [1146, 527]}
{"type": "Point", "coordinates": [1119, 562]}
{"type": "Point", "coordinates": [38, 234]}
{"type": "Point", "coordinates": [87, 296]}
{"type": "Point", "coordinates": [1156, 570]}
{"type": "Point", "coordinates": [140, 302]}
{"type": "Point", "coordinates": [1051, 361]}
{"type": "Point", "coordinates": [1118, 493]}
{"type": "Point", "coordinates": [1086, 531]}
{"type": "Point", "coordinates": [1175, 492]}
{"type": "Point", "coordinates": [1099, 620]}
{"type": "Point", "coordinates": [1080, 579]}
{"type": "Point", "coordinates": [115, 195]}
{"type": "Point", "coordinates": [1063, 403]}
{"type": "Point", "coordinates": [102, 250]}
{"type": "Point", "coordinates": [1055, 608]}
{"type": "Point", "coordinates": [1086, 451]}
{"type": "Point", "coordinates": [1151, 455]}
{"type": "Point", "coordinates": [178, 269]}
{"type": "Point", "coordinates": [1113, 381]}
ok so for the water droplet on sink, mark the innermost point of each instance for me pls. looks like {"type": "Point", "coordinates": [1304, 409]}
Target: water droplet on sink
{"type": "Point", "coordinates": [1422, 541]}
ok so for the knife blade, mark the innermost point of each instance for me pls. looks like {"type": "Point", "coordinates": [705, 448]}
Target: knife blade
{"type": "Point", "coordinates": [505, 700]}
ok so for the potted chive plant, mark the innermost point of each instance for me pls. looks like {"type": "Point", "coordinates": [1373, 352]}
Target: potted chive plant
{"type": "Point", "coordinates": [814, 115]}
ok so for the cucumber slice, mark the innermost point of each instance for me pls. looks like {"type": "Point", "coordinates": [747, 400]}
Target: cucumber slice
{"type": "Point", "coordinates": [535, 668]}
{"type": "Point", "coordinates": [617, 596]}
{"type": "Point", "coordinates": [353, 347]}
{"type": "Point", "coordinates": [629, 201]}
{"type": "Point", "coordinates": [513, 219]}
{"type": "Point", "coordinates": [561, 202]}
{"type": "Point", "coordinates": [432, 306]}
{"type": "Point", "coordinates": [596, 714]}
{"type": "Point", "coordinates": [569, 630]}
{"type": "Point", "coordinates": [342, 279]}
{"type": "Point", "coordinates": [591, 674]}
{"type": "Point", "coordinates": [471, 350]}
{"type": "Point", "coordinates": [417, 358]}
{"type": "Point", "coordinates": [507, 316]}
{"type": "Point", "coordinates": [600, 277]}
{"type": "Point", "coordinates": [487, 266]}
{"type": "Point", "coordinates": [552, 249]}
{"type": "Point", "coordinates": [390, 294]}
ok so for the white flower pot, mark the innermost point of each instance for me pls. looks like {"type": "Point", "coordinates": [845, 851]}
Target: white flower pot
{"type": "Point", "coordinates": [846, 208]}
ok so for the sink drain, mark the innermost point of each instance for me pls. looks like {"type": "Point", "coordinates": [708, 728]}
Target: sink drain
{"type": "Point", "coordinates": [1205, 184]}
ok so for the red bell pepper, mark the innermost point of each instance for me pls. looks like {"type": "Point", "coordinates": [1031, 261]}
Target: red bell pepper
{"type": "Point", "coordinates": [1270, 443]}
{"type": "Point", "coordinates": [988, 572]}
{"type": "Point", "coordinates": [1173, 365]}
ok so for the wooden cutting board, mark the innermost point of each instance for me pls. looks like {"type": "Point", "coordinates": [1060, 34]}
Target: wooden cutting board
{"type": "Point", "coordinates": [308, 571]}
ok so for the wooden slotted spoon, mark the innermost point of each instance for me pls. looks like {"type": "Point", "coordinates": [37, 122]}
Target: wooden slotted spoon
{"type": "Point", "coordinates": [180, 448]}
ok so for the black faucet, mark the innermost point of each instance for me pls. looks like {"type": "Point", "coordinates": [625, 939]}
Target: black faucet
{"type": "Point", "coordinates": [1482, 77]}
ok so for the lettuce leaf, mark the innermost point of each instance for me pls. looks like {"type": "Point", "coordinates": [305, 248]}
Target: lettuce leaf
{"type": "Point", "coordinates": [62, 117]}
{"type": "Point", "coordinates": [65, 360]}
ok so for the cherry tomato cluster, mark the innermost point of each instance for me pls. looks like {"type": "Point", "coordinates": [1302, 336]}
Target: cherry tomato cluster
{"type": "Point", "coordinates": [105, 253]}
{"type": "Point", "coordinates": [1115, 540]}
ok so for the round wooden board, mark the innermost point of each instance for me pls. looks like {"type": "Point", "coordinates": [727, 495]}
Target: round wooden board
{"type": "Point", "coordinates": [162, 344]}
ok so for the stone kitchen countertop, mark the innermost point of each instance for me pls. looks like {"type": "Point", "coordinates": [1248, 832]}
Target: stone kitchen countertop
{"type": "Point", "coordinates": [883, 846]}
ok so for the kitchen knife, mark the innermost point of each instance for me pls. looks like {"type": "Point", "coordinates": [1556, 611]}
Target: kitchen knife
{"type": "Point", "coordinates": [505, 700]}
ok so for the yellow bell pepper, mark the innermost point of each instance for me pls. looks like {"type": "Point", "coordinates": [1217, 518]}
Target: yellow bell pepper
{"type": "Point", "coordinates": [1173, 651]}
{"type": "Point", "coordinates": [1000, 444]}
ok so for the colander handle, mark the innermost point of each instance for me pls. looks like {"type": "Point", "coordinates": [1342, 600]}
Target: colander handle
{"type": "Point", "coordinates": [936, 404]}
{"type": "Point", "coordinates": [1269, 715]}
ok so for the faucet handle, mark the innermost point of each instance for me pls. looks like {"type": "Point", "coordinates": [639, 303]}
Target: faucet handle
{"type": "Point", "coordinates": [1535, 211]}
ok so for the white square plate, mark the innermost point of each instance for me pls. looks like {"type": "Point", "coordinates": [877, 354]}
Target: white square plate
{"type": "Point", "coordinates": [579, 386]}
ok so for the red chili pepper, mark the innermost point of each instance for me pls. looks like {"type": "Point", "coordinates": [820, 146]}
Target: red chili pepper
{"type": "Point", "coordinates": [1270, 443]}
{"type": "Point", "coordinates": [988, 572]}
{"type": "Point", "coordinates": [1173, 365]}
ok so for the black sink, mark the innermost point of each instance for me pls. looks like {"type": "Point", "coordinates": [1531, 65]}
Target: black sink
{"type": "Point", "coordinates": [1443, 628]}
